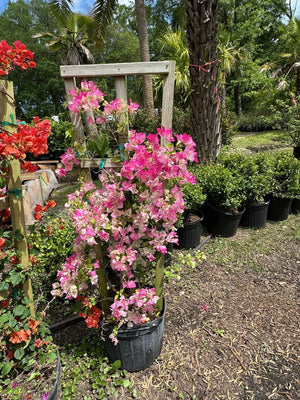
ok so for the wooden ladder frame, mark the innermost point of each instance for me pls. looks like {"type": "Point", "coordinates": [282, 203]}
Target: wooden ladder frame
{"type": "Point", "coordinates": [120, 71]}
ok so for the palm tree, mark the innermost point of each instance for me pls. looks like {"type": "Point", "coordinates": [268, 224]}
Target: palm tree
{"type": "Point", "coordinates": [77, 31]}
{"type": "Point", "coordinates": [140, 12]}
{"type": "Point", "coordinates": [202, 39]}
{"type": "Point", "coordinates": [102, 14]}
{"type": "Point", "coordinates": [291, 56]}
{"type": "Point", "coordinates": [174, 48]}
{"type": "Point", "coordinates": [229, 58]}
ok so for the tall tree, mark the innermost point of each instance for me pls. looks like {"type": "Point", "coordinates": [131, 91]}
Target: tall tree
{"type": "Point", "coordinates": [145, 55]}
{"type": "Point", "coordinates": [291, 55]}
{"type": "Point", "coordinates": [38, 91]}
{"type": "Point", "coordinates": [202, 39]}
{"type": "Point", "coordinates": [102, 14]}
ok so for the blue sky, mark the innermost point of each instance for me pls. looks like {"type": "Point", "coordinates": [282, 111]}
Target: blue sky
{"type": "Point", "coordinates": [79, 5]}
{"type": "Point", "coordinates": [83, 5]}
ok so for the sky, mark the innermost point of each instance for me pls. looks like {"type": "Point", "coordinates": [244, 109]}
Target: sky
{"type": "Point", "coordinates": [79, 5]}
{"type": "Point", "coordinates": [82, 5]}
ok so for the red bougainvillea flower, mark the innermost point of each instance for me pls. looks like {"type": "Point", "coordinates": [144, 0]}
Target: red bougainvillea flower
{"type": "Point", "coordinates": [16, 56]}
{"type": "Point", "coordinates": [33, 325]}
{"type": "Point", "coordinates": [38, 208]}
{"type": "Point", "coordinates": [14, 260]}
{"type": "Point", "coordinates": [38, 343]}
{"type": "Point", "coordinates": [51, 204]}
{"type": "Point", "coordinates": [2, 242]}
{"type": "Point", "coordinates": [28, 138]}
{"type": "Point", "coordinates": [20, 336]}
{"type": "Point", "coordinates": [28, 166]}
{"type": "Point", "coordinates": [4, 303]}
{"type": "Point", "coordinates": [37, 216]}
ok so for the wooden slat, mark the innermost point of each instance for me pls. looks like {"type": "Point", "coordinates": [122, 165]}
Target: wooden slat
{"type": "Point", "coordinates": [96, 162]}
{"type": "Point", "coordinates": [92, 70]}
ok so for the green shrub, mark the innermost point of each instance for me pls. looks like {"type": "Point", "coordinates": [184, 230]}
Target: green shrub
{"type": "Point", "coordinates": [289, 117]}
{"type": "Point", "coordinates": [257, 123]}
{"type": "Point", "coordinates": [194, 197]}
{"type": "Point", "coordinates": [255, 173]}
{"type": "Point", "coordinates": [285, 175]}
{"type": "Point", "coordinates": [50, 244]}
{"type": "Point", "coordinates": [222, 188]}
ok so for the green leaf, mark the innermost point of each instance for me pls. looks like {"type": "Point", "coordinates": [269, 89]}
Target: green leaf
{"type": "Point", "coordinates": [6, 368]}
{"type": "Point", "coordinates": [52, 356]}
{"type": "Point", "coordinates": [15, 277]}
{"type": "Point", "coordinates": [33, 376]}
{"type": "Point", "coordinates": [20, 311]}
{"type": "Point", "coordinates": [116, 365]}
{"type": "Point", "coordinates": [4, 318]}
{"type": "Point", "coordinates": [126, 383]}
{"type": "Point", "coordinates": [4, 286]}
{"type": "Point", "coordinates": [19, 353]}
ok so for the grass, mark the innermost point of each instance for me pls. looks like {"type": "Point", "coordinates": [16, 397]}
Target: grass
{"type": "Point", "coordinates": [268, 140]}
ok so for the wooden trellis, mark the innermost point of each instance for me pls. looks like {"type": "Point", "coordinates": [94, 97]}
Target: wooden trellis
{"type": "Point", "coordinates": [120, 72]}
{"type": "Point", "coordinates": [14, 198]}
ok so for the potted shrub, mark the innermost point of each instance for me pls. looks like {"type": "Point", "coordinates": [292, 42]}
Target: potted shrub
{"type": "Point", "coordinates": [284, 185]}
{"type": "Point", "coordinates": [223, 208]}
{"type": "Point", "coordinates": [189, 233]}
{"type": "Point", "coordinates": [255, 172]}
{"type": "Point", "coordinates": [122, 232]}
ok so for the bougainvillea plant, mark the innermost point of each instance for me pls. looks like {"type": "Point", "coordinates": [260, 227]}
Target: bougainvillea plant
{"type": "Point", "coordinates": [124, 226]}
{"type": "Point", "coordinates": [16, 56]}
{"type": "Point", "coordinates": [25, 341]}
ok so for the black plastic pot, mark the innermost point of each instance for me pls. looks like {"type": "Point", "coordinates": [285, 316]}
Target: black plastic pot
{"type": "Point", "coordinates": [279, 209]}
{"type": "Point", "coordinates": [54, 394]}
{"type": "Point", "coordinates": [189, 235]}
{"type": "Point", "coordinates": [220, 222]}
{"type": "Point", "coordinates": [296, 152]}
{"type": "Point", "coordinates": [295, 206]}
{"type": "Point", "coordinates": [255, 215]}
{"type": "Point", "coordinates": [138, 346]}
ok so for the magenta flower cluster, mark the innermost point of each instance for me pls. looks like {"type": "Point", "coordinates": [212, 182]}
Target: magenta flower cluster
{"type": "Point", "coordinates": [87, 98]}
{"type": "Point", "coordinates": [130, 219]}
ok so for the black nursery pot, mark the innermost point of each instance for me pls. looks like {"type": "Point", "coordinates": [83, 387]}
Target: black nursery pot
{"type": "Point", "coordinates": [189, 235]}
{"type": "Point", "coordinates": [54, 394]}
{"type": "Point", "coordinates": [220, 222]}
{"type": "Point", "coordinates": [255, 215]}
{"type": "Point", "coordinates": [296, 152]}
{"type": "Point", "coordinates": [279, 208]}
{"type": "Point", "coordinates": [138, 346]}
{"type": "Point", "coordinates": [295, 206]}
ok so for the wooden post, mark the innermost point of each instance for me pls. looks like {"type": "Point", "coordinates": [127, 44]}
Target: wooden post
{"type": "Point", "coordinates": [121, 92]}
{"type": "Point", "coordinates": [14, 186]}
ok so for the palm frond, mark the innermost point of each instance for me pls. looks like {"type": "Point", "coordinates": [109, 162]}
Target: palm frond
{"type": "Point", "coordinates": [102, 13]}
{"type": "Point", "coordinates": [61, 9]}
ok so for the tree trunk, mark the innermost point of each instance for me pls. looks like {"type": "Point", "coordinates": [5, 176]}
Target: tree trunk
{"type": "Point", "coordinates": [145, 55]}
{"type": "Point", "coordinates": [238, 100]}
{"type": "Point", "coordinates": [205, 101]}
